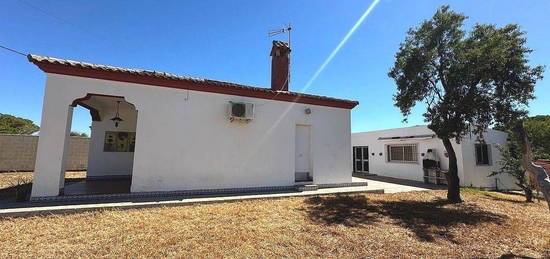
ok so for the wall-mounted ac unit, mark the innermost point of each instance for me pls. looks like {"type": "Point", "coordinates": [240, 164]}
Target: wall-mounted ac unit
{"type": "Point", "coordinates": [241, 111]}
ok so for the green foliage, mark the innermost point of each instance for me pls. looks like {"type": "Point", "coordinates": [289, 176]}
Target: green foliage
{"type": "Point", "coordinates": [511, 164]}
{"type": "Point", "coordinates": [468, 80]}
{"type": "Point", "coordinates": [78, 134]}
{"type": "Point", "coordinates": [476, 191]}
{"type": "Point", "coordinates": [14, 125]}
{"type": "Point", "coordinates": [538, 128]}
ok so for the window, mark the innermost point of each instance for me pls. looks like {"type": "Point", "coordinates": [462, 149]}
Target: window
{"type": "Point", "coordinates": [119, 141]}
{"type": "Point", "coordinates": [402, 153]}
{"type": "Point", "coordinates": [483, 154]}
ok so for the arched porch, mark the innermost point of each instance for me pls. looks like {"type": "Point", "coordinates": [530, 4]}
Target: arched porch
{"type": "Point", "coordinates": [111, 151]}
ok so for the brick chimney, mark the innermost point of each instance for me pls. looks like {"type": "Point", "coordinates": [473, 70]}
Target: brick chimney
{"type": "Point", "coordinates": [280, 66]}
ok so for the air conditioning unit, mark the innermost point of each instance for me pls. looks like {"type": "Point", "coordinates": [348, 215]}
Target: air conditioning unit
{"type": "Point", "coordinates": [241, 111]}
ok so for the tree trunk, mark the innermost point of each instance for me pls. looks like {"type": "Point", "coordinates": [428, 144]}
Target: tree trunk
{"type": "Point", "coordinates": [538, 173]}
{"type": "Point", "coordinates": [528, 194]}
{"type": "Point", "coordinates": [453, 182]}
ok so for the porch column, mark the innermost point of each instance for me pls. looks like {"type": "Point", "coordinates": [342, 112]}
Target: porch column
{"type": "Point", "coordinates": [49, 172]}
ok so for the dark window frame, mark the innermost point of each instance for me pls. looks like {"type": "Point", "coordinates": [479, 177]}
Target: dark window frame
{"type": "Point", "coordinates": [482, 154]}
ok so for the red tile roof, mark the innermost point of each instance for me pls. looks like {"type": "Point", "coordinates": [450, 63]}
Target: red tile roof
{"type": "Point", "coordinates": [155, 78]}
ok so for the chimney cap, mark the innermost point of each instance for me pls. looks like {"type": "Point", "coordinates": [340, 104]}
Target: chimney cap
{"type": "Point", "coordinates": [279, 45]}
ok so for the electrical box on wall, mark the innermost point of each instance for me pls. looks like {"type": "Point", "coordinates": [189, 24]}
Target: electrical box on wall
{"type": "Point", "coordinates": [241, 111]}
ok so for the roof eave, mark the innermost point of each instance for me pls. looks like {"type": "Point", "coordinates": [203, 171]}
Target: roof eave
{"type": "Point", "coordinates": [207, 86]}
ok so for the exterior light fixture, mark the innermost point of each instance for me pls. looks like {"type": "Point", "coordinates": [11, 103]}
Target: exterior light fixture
{"type": "Point", "coordinates": [117, 118]}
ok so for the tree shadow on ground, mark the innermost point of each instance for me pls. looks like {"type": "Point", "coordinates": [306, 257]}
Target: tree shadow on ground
{"type": "Point", "coordinates": [427, 220]}
{"type": "Point", "coordinates": [345, 210]}
{"type": "Point", "coordinates": [514, 256]}
{"type": "Point", "coordinates": [508, 199]}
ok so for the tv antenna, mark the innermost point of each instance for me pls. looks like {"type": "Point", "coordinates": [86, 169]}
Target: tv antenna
{"type": "Point", "coordinates": [287, 29]}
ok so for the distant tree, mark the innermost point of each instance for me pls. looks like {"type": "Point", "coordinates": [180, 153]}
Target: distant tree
{"type": "Point", "coordinates": [538, 128]}
{"type": "Point", "coordinates": [536, 172]}
{"type": "Point", "coordinates": [511, 164]}
{"type": "Point", "coordinates": [468, 81]}
{"type": "Point", "coordinates": [10, 124]}
{"type": "Point", "coordinates": [78, 134]}
{"type": "Point", "coordinates": [530, 138]}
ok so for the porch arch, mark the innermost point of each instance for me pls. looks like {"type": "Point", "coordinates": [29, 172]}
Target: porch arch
{"type": "Point", "coordinates": [115, 161]}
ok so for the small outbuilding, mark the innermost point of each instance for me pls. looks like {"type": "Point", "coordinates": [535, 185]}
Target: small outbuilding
{"type": "Point", "coordinates": [415, 153]}
{"type": "Point", "coordinates": [161, 132]}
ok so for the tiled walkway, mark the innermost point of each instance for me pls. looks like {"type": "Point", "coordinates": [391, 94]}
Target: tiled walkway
{"type": "Point", "coordinates": [376, 184]}
{"type": "Point", "coordinates": [394, 185]}
{"type": "Point", "coordinates": [92, 187]}
{"type": "Point", "coordinates": [37, 209]}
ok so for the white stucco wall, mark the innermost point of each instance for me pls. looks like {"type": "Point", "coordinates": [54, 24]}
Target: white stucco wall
{"type": "Point", "coordinates": [469, 173]}
{"type": "Point", "coordinates": [110, 164]}
{"type": "Point", "coordinates": [412, 171]}
{"type": "Point", "coordinates": [477, 175]}
{"type": "Point", "coordinates": [184, 139]}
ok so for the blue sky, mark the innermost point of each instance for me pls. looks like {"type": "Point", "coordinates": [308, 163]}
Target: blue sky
{"type": "Point", "coordinates": [227, 40]}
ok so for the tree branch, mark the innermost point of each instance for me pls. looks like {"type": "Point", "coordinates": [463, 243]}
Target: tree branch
{"type": "Point", "coordinates": [535, 171]}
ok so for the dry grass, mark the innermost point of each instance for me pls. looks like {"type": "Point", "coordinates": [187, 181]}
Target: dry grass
{"type": "Point", "coordinates": [415, 224]}
{"type": "Point", "coordinates": [8, 181]}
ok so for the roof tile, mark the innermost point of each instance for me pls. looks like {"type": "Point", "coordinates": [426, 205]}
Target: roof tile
{"type": "Point", "coordinates": [38, 59]}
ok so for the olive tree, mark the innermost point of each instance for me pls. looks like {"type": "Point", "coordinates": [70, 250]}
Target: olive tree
{"type": "Point", "coordinates": [510, 164]}
{"type": "Point", "coordinates": [467, 80]}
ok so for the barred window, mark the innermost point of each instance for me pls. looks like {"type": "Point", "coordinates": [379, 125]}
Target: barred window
{"type": "Point", "coordinates": [402, 153]}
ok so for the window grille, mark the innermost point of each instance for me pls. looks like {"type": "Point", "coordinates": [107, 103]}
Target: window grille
{"type": "Point", "coordinates": [402, 153]}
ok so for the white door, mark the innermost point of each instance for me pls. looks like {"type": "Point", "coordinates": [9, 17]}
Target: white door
{"type": "Point", "coordinates": [303, 159]}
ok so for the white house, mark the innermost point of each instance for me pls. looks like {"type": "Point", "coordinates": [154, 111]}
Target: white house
{"type": "Point", "coordinates": [400, 153]}
{"type": "Point", "coordinates": [166, 132]}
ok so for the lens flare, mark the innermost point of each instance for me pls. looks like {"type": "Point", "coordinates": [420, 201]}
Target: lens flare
{"type": "Point", "coordinates": [308, 84]}
{"type": "Point", "coordinates": [341, 44]}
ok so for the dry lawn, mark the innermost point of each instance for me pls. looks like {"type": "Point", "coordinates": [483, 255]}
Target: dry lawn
{"type": "Point", "coordinates": [415, 224]}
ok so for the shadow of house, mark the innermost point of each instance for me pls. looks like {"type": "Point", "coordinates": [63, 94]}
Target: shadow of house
{"type": "Point", "coordinates": [20, 190]}
{"type": "Point", "coordinates": [427, 220]}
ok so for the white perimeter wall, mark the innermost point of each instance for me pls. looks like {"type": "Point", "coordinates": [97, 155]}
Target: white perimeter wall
{"type": "Point", "coordinates": [185, 141]}
{"type": "Point", "coordinates": [469, 173]}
